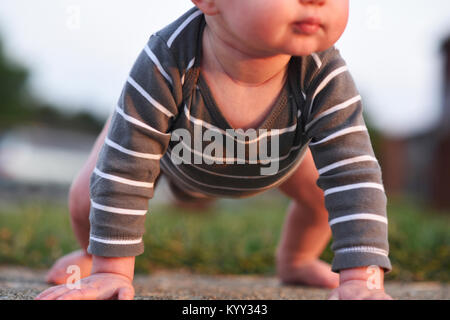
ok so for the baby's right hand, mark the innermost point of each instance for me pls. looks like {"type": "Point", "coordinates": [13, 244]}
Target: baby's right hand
{"type": "Point", "coordinates": [98, 286]}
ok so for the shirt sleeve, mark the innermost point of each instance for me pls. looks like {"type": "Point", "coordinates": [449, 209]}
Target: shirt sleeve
{"type": "Point", "coordinates": [349, 173]}
{"type": "Point", "coordinates": [128, 164]}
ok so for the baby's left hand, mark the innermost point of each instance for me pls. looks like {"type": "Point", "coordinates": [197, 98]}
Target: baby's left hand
{"type": "Point", "coordinates": [357, 290]}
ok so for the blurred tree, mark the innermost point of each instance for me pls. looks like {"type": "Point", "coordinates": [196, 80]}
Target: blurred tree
{"type": "Point", "coordinates": [375, 136]}
{"type": "Point", "coordinates": [18, 106]}
{"type": "Point", "coordinates": [13, 79]}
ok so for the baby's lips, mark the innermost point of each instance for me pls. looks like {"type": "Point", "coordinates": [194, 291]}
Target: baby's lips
{"type": "Point", "coordinates": [308, 26]}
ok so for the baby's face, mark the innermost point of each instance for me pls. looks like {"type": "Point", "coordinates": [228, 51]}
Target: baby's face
{"type": "Point", "coordinates": [294, 27]}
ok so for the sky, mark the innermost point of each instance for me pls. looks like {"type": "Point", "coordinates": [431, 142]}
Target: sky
{"type": "Point", "coordinates": [81, 51]}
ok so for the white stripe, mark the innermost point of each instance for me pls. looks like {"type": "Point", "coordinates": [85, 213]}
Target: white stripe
{"type": "Point", "coordinates": [138, 123]}
{"type": "Point", "coordinates": [202, 123]}
{"type": "Point", "coordinates": [328, 78]}
{"type": "Point", "coordinates": [354, 186]}
{"type": "Point", "coordinates": [324, 83]}
{"type": "Point", "coordinates": [340, 133]}
{"type": "Point", "coordinates": [182, 26]}
{"type": "Point", "coordinates": [201, 183]}
{"type": "Point", "coordinates": [359, 216]}
{"type": "Point", "coordinates": [191, 63]}
{"type": "Point", "coordinates": [123, 180]}
{"type": "Point", "coordinates": [299, 113]}
{"type": "Point", "coordinates": [338, 107]}
{"type": "Point", "coordinates": [118, 210]}
{"type": "Point", "coordinates": [346, 162]}
{"type": "Point", "coordinates": [150, 156]}
{"type": "Point", "coordinates": [145, 94]}
{"type": "Point", "coordinates": [304, 95]}
{"type": "Point", "coordinates": [112, 241]}
{"type": "Point", "coordinates": [317, 60]}
{"type": "Point", "coordinates": [363, 249]}
{"type": "Point", "coordinates": [158, 64]}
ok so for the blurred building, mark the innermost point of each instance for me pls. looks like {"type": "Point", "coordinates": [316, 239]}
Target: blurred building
{"type": "Point", "coordinates": [419, 165]}
{"type": "Point", "coordinates": [441, 161]}
{"type": "Point", "coordinates": [42, 155]}
{"type": "Point", "coordinates": [38, 163]}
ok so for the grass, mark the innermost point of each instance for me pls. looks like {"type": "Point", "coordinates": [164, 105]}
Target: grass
{"type": "Point", "coordinates": [237, 237]}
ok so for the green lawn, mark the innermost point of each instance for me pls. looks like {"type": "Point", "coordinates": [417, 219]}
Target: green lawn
{"type": "Point", "coordinates": [235, 237]}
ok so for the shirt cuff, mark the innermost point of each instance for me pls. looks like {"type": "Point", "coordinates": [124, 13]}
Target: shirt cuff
{"type": "Point", "coordinates": [101, 249]}
{"type": "Point", "coordinates": [353, 259]}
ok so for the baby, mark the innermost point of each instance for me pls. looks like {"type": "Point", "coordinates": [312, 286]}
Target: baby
{"type": "Point", "coordinates": [206, 100]}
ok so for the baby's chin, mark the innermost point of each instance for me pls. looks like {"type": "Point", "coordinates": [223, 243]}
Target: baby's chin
{"type": "Point", "coordinates": [307, 47]}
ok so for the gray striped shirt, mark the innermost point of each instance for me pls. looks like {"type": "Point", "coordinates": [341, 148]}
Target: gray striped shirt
{"type": "Point", "coordinates": [165, 93]}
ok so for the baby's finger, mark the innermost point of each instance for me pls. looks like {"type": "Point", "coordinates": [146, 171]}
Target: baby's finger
{"type": "Point", "coordinates": [379, 296]}
{"type": "Point", "coordinates": [44, 293]}
{"type": "Point", "coordinates": [334, 295]}
{"type": "Point", "coordinates": [47, 292]}
{"type": "Point", "coordinates": [80, 294]}
{"type": "Point", "coordinates": [52, 293]}
{"type": "Point", "coordinates": [126, 293]}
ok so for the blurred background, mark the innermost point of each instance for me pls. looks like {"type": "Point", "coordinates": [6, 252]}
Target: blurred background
{"type": "Point", "coordinates": [62, 67]}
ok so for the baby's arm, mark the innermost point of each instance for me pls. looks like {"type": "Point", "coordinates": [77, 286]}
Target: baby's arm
{"type": "Point", "coordinates": [349, 173]}
{"type": "Point", "coordinates": [126, 169]}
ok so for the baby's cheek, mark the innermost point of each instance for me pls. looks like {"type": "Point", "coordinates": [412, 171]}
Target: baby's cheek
{"type": "Point", "coordinates": [338, 19]}
{"type": "Point", "coordinates": [264, 32]}
{"type": "Point", "coordinates": [271, 31]}
{"type": "Point", "coordinates": [249, 27]}
{"type": "Point", "coordinates": [333, 33]}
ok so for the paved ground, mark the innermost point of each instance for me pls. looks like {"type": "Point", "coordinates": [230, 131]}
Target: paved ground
{"type": "Point", "coordinates": [23, 284]}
